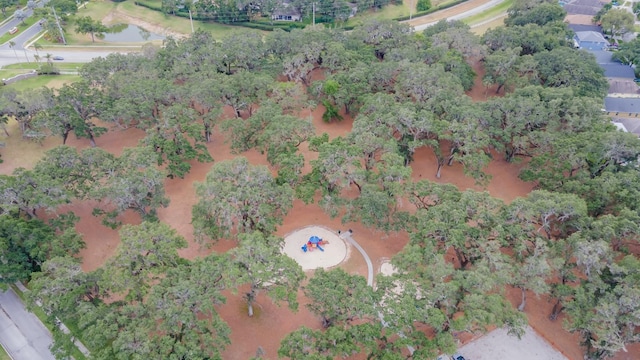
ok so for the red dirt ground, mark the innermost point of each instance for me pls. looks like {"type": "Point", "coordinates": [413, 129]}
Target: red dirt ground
{"type": "Point", "coordinates": [271, 323]}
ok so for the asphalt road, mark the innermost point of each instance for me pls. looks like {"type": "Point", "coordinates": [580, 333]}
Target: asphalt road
{"type": "Point", "coordinates": [22, 37]}
{"type": "Point", "coordinates": [14, 22]}
{"type": "Point", "coordinates": [8, 57]}
{"type": "Point", "coordinates": [21, 333]}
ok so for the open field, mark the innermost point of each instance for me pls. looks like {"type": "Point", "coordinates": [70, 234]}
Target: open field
{"type": "Point", "coordinates": [388, 12]}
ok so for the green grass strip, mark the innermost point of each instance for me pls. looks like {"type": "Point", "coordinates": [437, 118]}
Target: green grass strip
{"type": "Point", "coordinates": [489, 13]}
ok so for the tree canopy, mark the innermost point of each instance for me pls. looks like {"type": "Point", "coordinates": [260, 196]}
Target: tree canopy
{"type": "Point", "coordinates": [574, 238]}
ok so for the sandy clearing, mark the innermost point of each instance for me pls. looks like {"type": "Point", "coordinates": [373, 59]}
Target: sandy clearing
{"type": "Point", "coordinates": [498, 345]}
{"type": "Point", "coordinates": [334, 253]}
{"type": "Point", "coordinates": [387, 269]}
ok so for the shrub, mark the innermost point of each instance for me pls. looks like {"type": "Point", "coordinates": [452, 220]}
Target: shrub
{"type": "Point", "coordinates": [48, 69]}
{"type": "Point", "coordinates": [423, 5]}
{"type": "Point", "coordinates": [331, 113]}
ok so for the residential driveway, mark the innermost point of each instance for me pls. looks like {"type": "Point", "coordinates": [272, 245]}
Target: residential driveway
{"type": "Point", "coordinates": [21, 333]}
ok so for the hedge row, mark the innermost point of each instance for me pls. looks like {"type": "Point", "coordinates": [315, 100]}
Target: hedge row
{"type": "Point", "coordinates": [432, 10]}
{"type": "Point", "coordinates": [266, 26]}
{"type": "Point", "coordinates": [148, 5]}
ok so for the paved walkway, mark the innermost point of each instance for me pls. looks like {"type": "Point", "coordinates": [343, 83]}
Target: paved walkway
{"type": "Point", "coordinates": [21, 333]}
{"type": "Point", "coordinates": [347, 236]}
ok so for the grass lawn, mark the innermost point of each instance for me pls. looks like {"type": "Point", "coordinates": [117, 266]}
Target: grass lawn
{"type": "Point", "coordinates": [489, 13]}
{"type": "Point", "coordinates": [34, 66]}
{"type": "Point", "coordinates": [97, 10]}
{"type": "Point", "coordinates": [388, 12]}
{"type": "Point", "coordinates": [22, 26]}
{"type": "Point", "coordinates": [3, 354]}
{"type": "Point", "coordinates": [480, 30]}
{"type": "Point", "coordinates": [175, 23]}
{"type": "Point", "coordinates": [38, 81]}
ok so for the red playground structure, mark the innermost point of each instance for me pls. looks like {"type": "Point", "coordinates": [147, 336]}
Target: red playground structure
{"type": "Point", "coordinates": [314, 242]}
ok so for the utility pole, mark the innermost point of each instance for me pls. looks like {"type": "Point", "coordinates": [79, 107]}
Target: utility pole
{"type": "Point", "coordinates": [314, 15]}
{"type": "Point", "coordinates": [64, 41]}
{"type": "Point", "coordinates": [191, 19]}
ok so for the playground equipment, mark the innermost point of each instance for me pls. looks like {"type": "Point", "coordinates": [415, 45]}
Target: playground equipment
{"type": "Point", "coordinates": [314, 242]}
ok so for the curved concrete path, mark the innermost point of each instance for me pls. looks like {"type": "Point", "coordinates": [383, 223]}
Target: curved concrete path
{"type": "Point", "coordinates": [347, 236]}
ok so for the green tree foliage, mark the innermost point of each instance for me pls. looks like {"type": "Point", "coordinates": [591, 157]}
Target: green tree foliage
{"type": "Point", "coordinates": [176, 139]}
{"type": "Point", "coordinates": [423, 5]}
{"type": "Point", "coordinates": [75, 108]}
{"type": "Point", "coordinates": [617, 22]}
{"type": "Point", "coordinates": [146, 251]}
{"type": "Point", "coordinates": [555, 69]}
{"type": "Point", "coordinates": [24, 107]}
{"type": "Point", "coordinates": [4, 4]}
{"type": "Point", "coordinates": [628, 53]}
{"type": "Point", "coordinates": [64, 7]}
{"type": "Point", "coordinates": [177, 319]}
{"type": "Point", "coordinates": [131, 181]}
{"type": "Point", "coordinates": [347, 299]}
{"type": "Point", "coordinates": [237, 197]}
{"type": "Point", "coordinates": [26, 244]}
{"type": "Point", "coordinates": [604, 309]}
{"type": "Point", "coordinates": [259, 263]}
{"type": "Point", "coordinates": [543, 13]}
{"type": "Point", "coordinates": [406, 93]}
{"type": "Point", "coordinates": [86, 25]}
{"type": "Point", "coordinates": [26, 191]}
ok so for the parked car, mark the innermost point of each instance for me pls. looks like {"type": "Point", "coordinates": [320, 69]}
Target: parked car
{"type": "Point", "coordinates": [458, 357]}
{"type": "Point", "coordinates": [13, 30]}
{"type": "Point", "coordinates": [58, 58]}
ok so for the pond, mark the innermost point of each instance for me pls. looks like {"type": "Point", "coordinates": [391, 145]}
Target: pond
{"type": "Point", "coordinates": [131, 33]}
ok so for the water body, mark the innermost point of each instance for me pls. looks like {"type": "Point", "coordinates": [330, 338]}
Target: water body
{"type": "Point", "coordinates": [131, 33]}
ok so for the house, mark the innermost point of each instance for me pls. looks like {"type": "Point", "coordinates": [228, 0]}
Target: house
{"type": "Point", "coordinates": [583, 27]}
{"type": "Point", "coordinates": [286, 13]}
{"type": "Point", "coordinates": [627, 124]}
{"type": "Point", "coordinates": [619, 87]}
{"type": "Point", "coordinates": [617, 105]}
{"type": "Point", "coordinates": [591, 40]}
{"type": "Point", "coordinates": [613, 69]}
{"type": "Point", "coordinates": [582, 7]}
